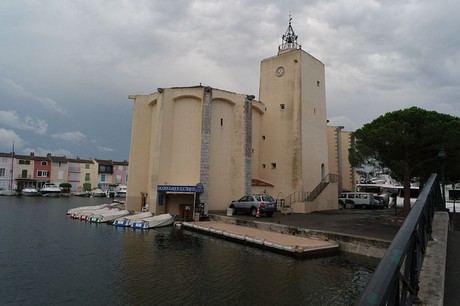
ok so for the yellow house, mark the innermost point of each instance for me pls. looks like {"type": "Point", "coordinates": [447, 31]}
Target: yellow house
{"type": "Point", "coordinates": [192, 145]}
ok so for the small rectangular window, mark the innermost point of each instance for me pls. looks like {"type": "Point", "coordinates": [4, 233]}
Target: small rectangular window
{"type": "Point", "coordinates": [42, 173]}
{"type": "Point", "coordinates": [273, 165]}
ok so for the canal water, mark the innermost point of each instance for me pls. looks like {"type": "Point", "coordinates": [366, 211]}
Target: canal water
{"type": "Point", "coordinates": [47, 258]}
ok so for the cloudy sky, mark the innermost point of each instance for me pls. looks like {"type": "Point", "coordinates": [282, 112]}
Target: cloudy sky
{"type": "Point", "coordinates": [68, 66]}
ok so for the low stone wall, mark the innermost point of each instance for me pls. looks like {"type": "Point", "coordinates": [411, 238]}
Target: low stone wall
{"type": "Point", "coordinates": [347, 243]}
{"type": "Point", "coordinates": [433, 273]}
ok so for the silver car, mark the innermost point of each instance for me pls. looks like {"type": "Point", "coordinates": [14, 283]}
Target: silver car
{"type": "Point", "coordinates": [252, 202]}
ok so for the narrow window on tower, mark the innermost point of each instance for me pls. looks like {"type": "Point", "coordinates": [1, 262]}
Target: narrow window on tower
{"type": "Point", "coordinates": [282, 106]}
{"type": "Point", "coordinates": [221, 121]}
{"type": "Point", "coordinates": [317, 83]}
{"type": "Point", "coordinates": [273, 165]}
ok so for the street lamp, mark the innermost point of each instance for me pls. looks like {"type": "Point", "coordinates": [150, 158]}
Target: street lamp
{"type": "Point", "coordinates": [442, 157]}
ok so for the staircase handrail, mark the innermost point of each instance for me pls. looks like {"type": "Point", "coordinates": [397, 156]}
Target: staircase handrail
{"type": "Point", "coordinates": [330, 178]}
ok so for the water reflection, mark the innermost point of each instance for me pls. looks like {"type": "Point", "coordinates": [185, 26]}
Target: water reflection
{"type": "Point", "coordinates": [57, 260]}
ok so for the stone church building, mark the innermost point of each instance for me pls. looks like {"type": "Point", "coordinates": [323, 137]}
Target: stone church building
{"type": "Point", "coordinates": [200, 147]}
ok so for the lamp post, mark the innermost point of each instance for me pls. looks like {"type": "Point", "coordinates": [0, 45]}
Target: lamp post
{"type": "Point", "coordinates": [442, 157]}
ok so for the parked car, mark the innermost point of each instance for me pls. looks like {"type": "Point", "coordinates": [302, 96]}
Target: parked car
{"type": "Point", "coordinates": [379, 202]}
{"type": "Point", "coordinates": [356, 199]}
{"type": "Point", "coordinates": [251, 202]}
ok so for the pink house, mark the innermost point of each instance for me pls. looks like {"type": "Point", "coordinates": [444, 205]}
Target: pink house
{"type": "Point", "coordinates": [120, 172]}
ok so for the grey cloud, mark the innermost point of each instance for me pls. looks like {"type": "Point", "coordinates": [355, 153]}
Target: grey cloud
{"type": "Point", "coordinates": [11, 118]}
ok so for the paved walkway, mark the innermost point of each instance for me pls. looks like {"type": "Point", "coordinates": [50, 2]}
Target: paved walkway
{"type": "Point", "coordinates": [452, 281]}
{"type": "Point", "coordinates": [378, 224]}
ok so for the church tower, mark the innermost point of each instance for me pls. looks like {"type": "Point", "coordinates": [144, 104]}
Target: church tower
{"type": "Point", "coordinates": [293, 148]}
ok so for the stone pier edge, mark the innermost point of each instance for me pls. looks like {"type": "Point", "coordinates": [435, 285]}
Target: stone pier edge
{"type": "Point", "coordinates": [347, 243]}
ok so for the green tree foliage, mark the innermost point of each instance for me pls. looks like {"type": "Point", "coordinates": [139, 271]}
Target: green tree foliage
{"type": "Point", "coordinates": [65, 187]}
{"type": "Point", "coordinates": [407, 143]}
{"type": "Point", "coordinates": [87, 186]}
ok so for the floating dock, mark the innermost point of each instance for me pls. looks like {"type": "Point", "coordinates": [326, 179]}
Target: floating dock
{"type": "Point", "coordinates": [277, 242]}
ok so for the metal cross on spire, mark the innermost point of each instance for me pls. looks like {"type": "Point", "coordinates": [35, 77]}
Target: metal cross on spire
{"type": "Point", "coordinates": [289, 38]}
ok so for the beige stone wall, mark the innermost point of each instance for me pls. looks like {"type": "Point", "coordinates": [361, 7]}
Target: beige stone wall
{"type": "Point", "coordinates": [166, 147]}
{"type": "Point", "coordinates": [223, 168]}
{"type": "Point", "coordinates": [349, 174]}
{"type": "Point", "coordinates": [183, 136]}
{"type": "Point", "coordinates": [313, 122]}
{"type": "Point", "coordinates": [142, 136]}
{"type": "Point", "coordinates": [294, 152]}
{"type": "Point", "coordinates": [339, 141]}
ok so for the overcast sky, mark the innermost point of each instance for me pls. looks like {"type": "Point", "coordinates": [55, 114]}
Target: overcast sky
{"type": "Point", "coordinates": [68, 66]}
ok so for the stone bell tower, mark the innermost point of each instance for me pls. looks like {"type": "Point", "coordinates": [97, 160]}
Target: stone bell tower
{"type": "Point", "coordinates": [293, 148]}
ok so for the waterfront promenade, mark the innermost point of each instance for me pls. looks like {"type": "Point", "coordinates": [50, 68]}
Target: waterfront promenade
{"type": "Point", "coordinates": [381, 225]}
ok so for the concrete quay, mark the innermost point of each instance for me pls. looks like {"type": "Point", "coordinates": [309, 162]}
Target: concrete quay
{"type": "Point", "coordinates": [288, 244]}
{"type": "Point", "coordinates": [363, 232]}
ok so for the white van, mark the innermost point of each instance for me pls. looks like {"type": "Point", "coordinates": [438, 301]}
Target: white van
{"type": "Point", "coordinates": [356, 200]}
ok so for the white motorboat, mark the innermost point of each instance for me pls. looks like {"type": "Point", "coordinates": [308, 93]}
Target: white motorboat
{"type": "Point", "coordinates": [82, 194]}
{"type": "Point", "coordinates": [86, 208]}
{"type": "Point", "coordinates": [7, 192]}
{"type": "Point", "coordinates": [30, 192]}
{"type": "Point", "coordinates": [98, 192]}
{"type": "Point", "coordinates": [121, 191]}
{"type": "Point", "coordinates": [86, 215]}
{"type": "Point", "coordinates": [126, 221]}
{"type": "Point", "coordinates": [108, 216]}
{"type": "Point", "coordinates": [50, 190]}
{"type": "Point", "coordinates": [153, 222]}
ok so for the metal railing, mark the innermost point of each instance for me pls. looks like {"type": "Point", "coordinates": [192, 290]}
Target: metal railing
{"type": "Point", "coordinates": [304, 196]}
{"type": "Point", "coordinates": [296, 196]}
{"type": "Point", "coordinates": [396, 279]}
{"type": "Point", "coordinates": [330, 178]}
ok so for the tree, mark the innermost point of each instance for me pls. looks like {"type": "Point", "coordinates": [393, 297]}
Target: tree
{"type": "Point", "coordinates": [407, 143]}
{"type": "Point", "coordinates": [65, 187]}
{"type": "Point", "coordinates": [87, 186]}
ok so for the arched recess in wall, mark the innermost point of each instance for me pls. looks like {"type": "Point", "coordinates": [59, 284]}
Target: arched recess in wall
{"type": "Point", "coordinates": [222, 146]}
{"type": "Point", "coordinates": [185, 125]}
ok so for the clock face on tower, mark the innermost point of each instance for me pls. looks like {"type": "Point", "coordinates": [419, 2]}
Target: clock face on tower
{"type": "Point", "coordinates": [279, 71]}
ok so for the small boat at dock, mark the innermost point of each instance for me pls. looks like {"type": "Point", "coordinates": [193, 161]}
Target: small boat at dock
{"type": "Point", "coordinates": [98, 192]}
{"type": "Point", "coordinates": [108, 216]}
{"type": "Point", "coordinates": [126, 221]}
{"type": "Point", "coordinates": [81, 208]}
{"type": "Point", "coordinates": [50, 190]}
{"type": "Point", "coordinates": [30, 192]}
{"type": "Point", "coordinates": [83, 194]}
{"type": "Point", "coordinates": [153, 222]}
{"type": "Point", "coordinates": [120, 191]}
